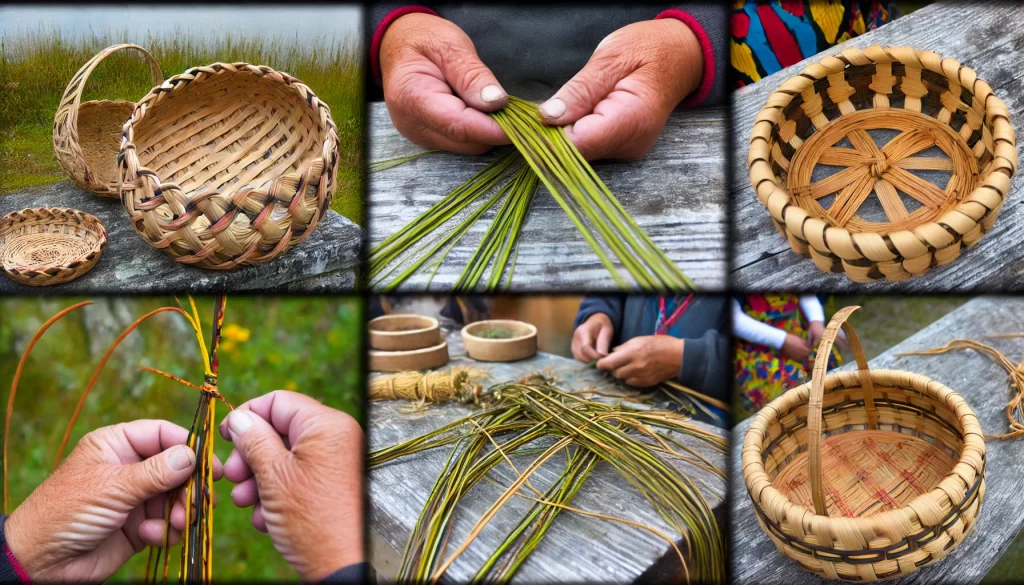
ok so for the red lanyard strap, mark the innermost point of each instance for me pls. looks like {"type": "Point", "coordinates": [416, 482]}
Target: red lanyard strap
{"type": "Point", "coordinates": [668, 323]}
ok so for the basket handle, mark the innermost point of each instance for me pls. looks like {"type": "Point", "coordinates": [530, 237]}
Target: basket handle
{"type": "Point", "coordinates": [814, 403]}
{"type": "Point", "coordinates": [73, 93]}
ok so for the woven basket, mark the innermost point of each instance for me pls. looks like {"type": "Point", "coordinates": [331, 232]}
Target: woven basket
{"type": "Point", "coordinates": [49, 245]}
{"type": "Point", "coordinates": [228, 164]}
{"type": "Point", "coordinates": [825, 116]}
{"type": "Point", "coordinates": [895, 483]}
{"type": "Point", "coordinates": [87, 136]}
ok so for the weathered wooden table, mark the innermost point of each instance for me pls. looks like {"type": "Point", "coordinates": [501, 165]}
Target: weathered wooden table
{"type": "Point", "coordinates": [326, 261]}
{"type": "Point", "coordinates": [983, 36]}
{"type": "Point", "coordinates": [676, 193]}
{"type": "Point", "coordinates": [984, 385]}
{"type": "Point", "coordinates": [577, 548]}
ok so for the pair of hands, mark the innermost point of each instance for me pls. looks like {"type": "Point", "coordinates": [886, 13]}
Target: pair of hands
{"type": "Point", "coordinates": [799, 349]}
{"type": "Point", "coordinates": [438, 91]}
{"type": "Point", "coordinates": [297, 462]}
{"type": "Point", "coordinates": [641, 362]}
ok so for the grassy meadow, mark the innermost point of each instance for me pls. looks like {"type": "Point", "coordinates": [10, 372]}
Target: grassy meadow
{"type": "Point", "coordinates": [35, 68]}
{"type": "Point", "coordinates": [306, 344]}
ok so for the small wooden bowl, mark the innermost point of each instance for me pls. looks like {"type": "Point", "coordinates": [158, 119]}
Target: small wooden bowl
{"type": "Point", "coordinates": [404, 332]}
{"type": "Point", "coordinates": [49, 245]}
{"type": "Point", "coordinates": [521, 345]}
{"type": "Point", "coordinates": [403, 361]}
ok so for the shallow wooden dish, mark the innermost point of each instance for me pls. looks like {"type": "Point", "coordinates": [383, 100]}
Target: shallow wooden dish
{"type": "Point", "coordinates": [403, 361]}
{"type": "Point", "coordinates": [49, 245]}
{"type": "Point", "coordinates": [404, 332]}
{"type": "Point", "coordinates": [521, 345]}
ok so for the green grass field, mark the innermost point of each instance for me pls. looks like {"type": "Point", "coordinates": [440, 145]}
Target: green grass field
{"type": "Point", "coordinates": [36, 68]}
{"type": "Point", "coordinates": [306, 344]}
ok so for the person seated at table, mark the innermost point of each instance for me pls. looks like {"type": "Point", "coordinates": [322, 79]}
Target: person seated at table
{"type": "Point", "coordinates": [645, 341]}
{"type": "Point", "coordinates": [768, 35]}
{"type": "Point", "coordinates": [296, 462]}
{"type": "Point", "coordinates": [776, 337]}
{"type": "Point", "coordinates": [609, 74]}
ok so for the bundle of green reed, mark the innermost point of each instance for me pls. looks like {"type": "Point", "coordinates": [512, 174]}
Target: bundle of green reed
{"type": "Point", "coordinates": [550, 158]}
{"type": "Point", "coordinates": [534, 415]}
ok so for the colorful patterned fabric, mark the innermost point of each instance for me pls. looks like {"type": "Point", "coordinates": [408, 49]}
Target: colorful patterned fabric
{"type": "Point", "coordinates": [768, 35]}
{"type": "Point", "coordinates": [762, 372]}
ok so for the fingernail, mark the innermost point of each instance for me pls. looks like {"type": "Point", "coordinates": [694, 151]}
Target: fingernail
{"type": "Point", "coordinates": [553, 108]}
{"type": "Point", "coordinates": [492, 93]}
{"type": "Point", "coordinates": [181, 458]}
{"type": "Point", "coordinates": [239, 421]}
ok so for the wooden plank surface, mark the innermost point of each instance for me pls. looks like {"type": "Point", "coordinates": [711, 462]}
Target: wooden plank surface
{"type": "Point", "coordinates": [577, 548]}
{"type": "Point", "coordinates": [326, 261]}
{"type": "Point", "coordinates": [676, 193]}
{"type": "Point", "coordinates": [987, 38]}
{"type": "Point", "coordinates": [983, 384]}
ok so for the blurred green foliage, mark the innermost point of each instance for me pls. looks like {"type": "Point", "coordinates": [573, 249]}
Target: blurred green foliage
{"type": "Point", "coordinates": [307, 344]}
{"type": "Point", "coordinates": [35, 68]}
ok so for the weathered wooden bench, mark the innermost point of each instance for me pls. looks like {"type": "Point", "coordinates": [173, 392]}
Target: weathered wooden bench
{"type": "Point", "coordinates": [984, 385]}
{"type": "Point", "coordinates": [577, 548]}
{"type": "Point", "coordinates": [676, 193]}
{"type": "Point", "coordinates": [982, 36]}
{"type": "Point", "coordinates": [326, 261]}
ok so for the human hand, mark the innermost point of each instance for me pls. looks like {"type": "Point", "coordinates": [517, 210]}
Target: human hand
{"type": "Point", "coordinates": [815, 329]}
{"type": "Point", "coordinates": [616, 106]}
{"type": "Point", "coordinates": [300, 465]}
{"type": "Point", "coordinates": [591, 339]}
{"type": "Point", "coordinates": [436, 88]}
{"type": "Point", "coordinates": [104, 503]}
{"type": "Point", "coordinates": [796, 348]}
{"type": "Point", "coordinates": [645, 361]}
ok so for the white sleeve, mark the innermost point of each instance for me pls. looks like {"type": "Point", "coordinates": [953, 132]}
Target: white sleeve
{"type": "Point", "coordinates": [746, 327]}
{"type": "Point", "coordinates": [811, 306]}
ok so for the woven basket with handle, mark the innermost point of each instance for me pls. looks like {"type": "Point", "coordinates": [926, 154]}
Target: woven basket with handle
{"type": "Point", "coordinates": [228, 164]}
{"type": "Point", "coordinates": [49, 245]}
{"type": "Point", "coordinates": [87, 136]}
{"type": "Point", "coordinates": [851, 158]}
{"type": "Point", "coordinates": [868, 474]}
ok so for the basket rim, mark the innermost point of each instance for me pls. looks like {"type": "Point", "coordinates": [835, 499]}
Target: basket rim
{"type": "Point", "coordinates": [61, 216]}
{"type": "Point", "coordinates": [199, 74]}
{"type": "Point", "coordinates": [871, 245]}
{"type": "Point", "coordinates": [754, 471]}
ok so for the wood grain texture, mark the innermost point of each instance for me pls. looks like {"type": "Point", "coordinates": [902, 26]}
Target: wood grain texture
{"type": "Point", "coordinates": [577, 548]}
{"type": "Point", "coordinates": [676, 193]}
{"type": "Point", "coordinates": [326, 261]}
{"type": "Point", "coordinates": [984, 37]}
{"type": "Point", "coordinates": [983, 384]}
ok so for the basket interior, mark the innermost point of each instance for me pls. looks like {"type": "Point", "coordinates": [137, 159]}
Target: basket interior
{"type": "Point", "coordinates": [233, 131]}
{"type": "Point", "coordinates": [38, 245]}
{"type": "Point", "coordinates": [99, 135]}
{"type": "Point", "coordinates": [882, 168]}
{"type": "Point", "coordinates": [866, 472]}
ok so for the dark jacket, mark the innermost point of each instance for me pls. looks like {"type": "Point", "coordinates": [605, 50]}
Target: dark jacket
{"type": "Point", "coordinates": [704, 327]}
{"type": "Point", "coordinates": [533, 49]}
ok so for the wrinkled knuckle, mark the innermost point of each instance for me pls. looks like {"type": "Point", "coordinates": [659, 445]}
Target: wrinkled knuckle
{"type": "Point", "coordinates": [577, 91]}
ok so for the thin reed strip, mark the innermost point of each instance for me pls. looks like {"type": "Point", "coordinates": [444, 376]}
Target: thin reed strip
{"type": "Point", "coordinates": [383, 165]}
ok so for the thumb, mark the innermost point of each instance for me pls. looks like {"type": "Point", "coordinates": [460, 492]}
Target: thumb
{"type": "Point", "coordinates": [157, 475]}
{"type": "Point", "coordinates": [256, 440]}
{"type": "Point", "coordinates": [470, 78]}
{"type": "Point", "coordinates": [585, 90]}
{"type": "Point", "coordinates": [604, 340]}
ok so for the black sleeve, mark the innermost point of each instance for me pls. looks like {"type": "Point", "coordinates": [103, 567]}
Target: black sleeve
{"type": "Point", "coordinates": [357, 573]}
{"type": "Point", "coordinates": [10, 570]}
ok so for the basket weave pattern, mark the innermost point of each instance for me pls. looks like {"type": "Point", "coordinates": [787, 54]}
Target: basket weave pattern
{"type": "Point", "coordinates": [228, 164]}
{"type": "Point", "coordinates": [87, 136]}
{"type": "Point", "coordinates": [930, 102]}
{"type": "Point", "coordinates": [895, 485]}
{"type": "Point", "coordinates": [45, 246]}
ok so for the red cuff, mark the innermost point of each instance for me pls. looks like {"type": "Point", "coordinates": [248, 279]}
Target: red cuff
{"type": "Point", "coordinates": [697, 97]}
{"type": "Point", "coordinates": [18, 569]}
{"type": "Point", "coordinates": [378, 35]}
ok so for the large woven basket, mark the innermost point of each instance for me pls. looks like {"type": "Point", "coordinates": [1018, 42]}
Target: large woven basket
{"type": "Point", "coordinates": [896, 120]}
{"type": "Point", "coordinates": [87, 136]}
{"type": "Point", "coordinates": [865, 475]}
{"type": "Point", "coordinates": [49, 245]}
{"type": "Point", "coordinates": [228, 164]}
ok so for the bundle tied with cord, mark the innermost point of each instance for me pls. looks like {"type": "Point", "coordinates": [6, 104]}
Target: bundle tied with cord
{"type": "Point", "coordinates": [459, 384]}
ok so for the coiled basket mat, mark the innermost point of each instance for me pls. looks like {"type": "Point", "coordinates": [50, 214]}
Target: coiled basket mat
{"type": "Point", "coordinates": [865, 475]}
{"type": "Point", "coordinates": [922, 134]}
{"type": "Point", "coordinates": [49, 245]}
{"type": "Point", "coordinates": [228, 164]}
